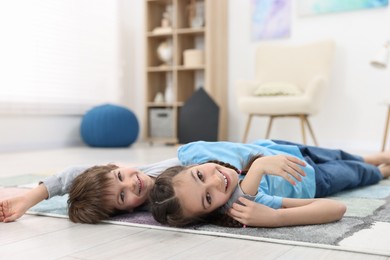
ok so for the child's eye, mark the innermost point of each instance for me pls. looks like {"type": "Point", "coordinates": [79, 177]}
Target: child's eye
{"type": "Point", "coordinates": [208, 198]}
{"type": "Point", "coordinates": [200, 175]}
{"type": "Point", "coordinates": [122, 195]}
{"type": "Point", "coordinates": [120, 176]}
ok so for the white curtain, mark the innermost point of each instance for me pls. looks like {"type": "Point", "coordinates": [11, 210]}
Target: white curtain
{"type": "Point", "coordinates": [58, 56]}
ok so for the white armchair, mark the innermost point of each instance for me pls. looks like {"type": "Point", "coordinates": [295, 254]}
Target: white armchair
{"type": "Point", "coordinates": [305, 66]}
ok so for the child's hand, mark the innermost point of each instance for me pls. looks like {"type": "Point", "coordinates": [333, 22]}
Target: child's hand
{"type": "Point", "coordinates": [251, 213]}
{"type": "Point", "coordinates": [13, 208]}
{"type": "Point", "coordinates": [281, 165]}
{"type": "Point", "coordinates": [293, 212]}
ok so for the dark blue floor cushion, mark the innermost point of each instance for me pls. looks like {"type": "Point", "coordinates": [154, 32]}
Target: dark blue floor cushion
{"type": "Point", "coordinates": [109, 126]}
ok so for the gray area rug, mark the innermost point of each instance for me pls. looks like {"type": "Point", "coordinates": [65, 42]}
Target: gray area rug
{"type": "Point", "coordinates": [366, 206]}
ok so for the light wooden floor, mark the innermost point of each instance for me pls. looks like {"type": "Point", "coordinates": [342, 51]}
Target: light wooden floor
{"type": "Point", "coordinates": [34, 237]}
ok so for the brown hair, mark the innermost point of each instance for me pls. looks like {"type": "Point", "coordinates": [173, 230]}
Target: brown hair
{"type": "Point", "coordinates": [166, 208]}
{"type": "Point", "coordinates": [88, 201]}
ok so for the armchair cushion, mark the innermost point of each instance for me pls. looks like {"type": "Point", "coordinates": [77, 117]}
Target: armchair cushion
{"type": "Point", "coordinates": [277, 88]}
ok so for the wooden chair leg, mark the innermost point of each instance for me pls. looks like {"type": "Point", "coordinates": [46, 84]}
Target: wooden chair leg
{"type": "Point", "coordinates": [386, 129]}
{"type": "Point", "coordinates": [271, 119]}
{"type": "Point", "coordinates": [248, 124]}
{"type": "Point", "coordinates": [311, 130]}
{"type": "Point", "coordinates": [302, 117]}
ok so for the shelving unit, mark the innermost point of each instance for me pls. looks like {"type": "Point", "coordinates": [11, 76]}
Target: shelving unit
{"type": "Point", "coordinates": [180, 33]}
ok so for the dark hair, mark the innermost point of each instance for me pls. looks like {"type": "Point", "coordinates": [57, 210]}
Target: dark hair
{"type": "Point", "coordinates": [88, 202]}
{"type": "Point", "coordinates": [166, 208]}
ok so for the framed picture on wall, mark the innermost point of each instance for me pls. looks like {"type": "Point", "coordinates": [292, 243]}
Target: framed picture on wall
{"type": "Point", "coordinates": [314, 7]}
{"type": "Point", "coordinates": [271, 19]}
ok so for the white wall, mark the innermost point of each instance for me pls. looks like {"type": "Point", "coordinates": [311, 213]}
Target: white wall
{"type": "Point", "coordinates": [352, 117]}
{"type": "Point", "coordinates": [19, 132]}
{"type": "Point", "coordinates": [43, 127]}
{"type": "Point", "coordinates": [134, 45]}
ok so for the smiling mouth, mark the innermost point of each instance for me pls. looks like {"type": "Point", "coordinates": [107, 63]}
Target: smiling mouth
{"type": "Point", "coordinates": [225, 179]}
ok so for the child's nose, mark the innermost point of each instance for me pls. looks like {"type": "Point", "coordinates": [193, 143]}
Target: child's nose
{"type": "Point", "coordinates": [128, 183]}
{"type": "Point", "coordinates": [214, 182]}
{"type": "Point", "coordinates": [130, 187]}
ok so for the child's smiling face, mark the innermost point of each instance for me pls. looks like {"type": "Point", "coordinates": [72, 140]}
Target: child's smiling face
{"type": "Point", "coordinates": [204, 188]}
{"type": "Point", "coordinates": [129, 188]}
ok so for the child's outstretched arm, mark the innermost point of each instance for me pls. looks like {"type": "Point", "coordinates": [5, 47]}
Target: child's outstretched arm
{"type": "Point", "coordinates": [281, 165]}
{"type": "Point", "coordinates": [295, 212]}
{"type": "Point", "coordinates": [13, 208]}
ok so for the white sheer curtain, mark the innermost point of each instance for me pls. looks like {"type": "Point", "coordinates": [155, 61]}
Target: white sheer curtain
{"type": "Point", "coordinates": [58, 56]}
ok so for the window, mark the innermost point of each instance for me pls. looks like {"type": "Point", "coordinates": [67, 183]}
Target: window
{"type": "Point", "coordinates": [58, 57]}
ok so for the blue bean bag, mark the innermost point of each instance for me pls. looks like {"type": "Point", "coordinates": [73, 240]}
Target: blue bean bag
{"type": "Point", "coordinates": [109, 126]}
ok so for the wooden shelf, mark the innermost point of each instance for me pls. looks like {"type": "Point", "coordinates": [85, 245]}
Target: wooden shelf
{"type": "Point", "coordinates": [210, 37]}
{"type": "Point", "coordinates": [172, 68]}
{"type": "Point", "coordinates": [164, 2]}
{"type": "Point", "coordinates": [160, 69]}
{"type": "Point", "coordinates": [200, 67]}
{"type": "Point", "coordinates": [191, 31]}
{"type": "Point", "coordinates": [158, 35]}
{"type": "Point", "coordinates": [195, 31]}
{"type": "Point", "coordinates": [162, 104]}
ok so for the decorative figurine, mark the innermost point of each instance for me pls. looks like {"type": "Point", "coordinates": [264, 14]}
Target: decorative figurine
{"type": "Point", "coordinates": [165, 52]}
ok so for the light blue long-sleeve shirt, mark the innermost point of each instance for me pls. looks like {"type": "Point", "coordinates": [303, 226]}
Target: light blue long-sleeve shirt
{"type": "Point", "coordinates": [272, 188]}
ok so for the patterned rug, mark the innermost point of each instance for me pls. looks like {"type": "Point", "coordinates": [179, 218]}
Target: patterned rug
{"type": "Point", "coordinates": [365, 228]}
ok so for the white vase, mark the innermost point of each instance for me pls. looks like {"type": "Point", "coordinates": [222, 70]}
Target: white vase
{"type": "Point", "coordinates": [198, 20]}
{"type": "Point", "coordinates": [168, 95]}
{"type": "Point", "coordinates": [165, 52]}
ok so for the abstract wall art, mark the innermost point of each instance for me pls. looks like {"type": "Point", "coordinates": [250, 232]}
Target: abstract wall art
{"type": "Point", "coordinates": [313, 7]}
{"type": "Point", "coordinates": [271, 19]}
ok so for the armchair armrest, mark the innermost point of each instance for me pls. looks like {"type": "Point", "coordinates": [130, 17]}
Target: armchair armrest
{"type": "Point", "coordinates": [245, 87]}
{"type": "Point", "coordinates": [315, 90]}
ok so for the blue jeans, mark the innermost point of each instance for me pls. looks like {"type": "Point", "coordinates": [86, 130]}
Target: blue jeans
{"type": "Point", "coordinates": [337, 170]}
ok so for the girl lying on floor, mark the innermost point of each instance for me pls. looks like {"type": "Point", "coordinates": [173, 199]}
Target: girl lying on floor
{"type": "Point", "coordinates": [282, 184]}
